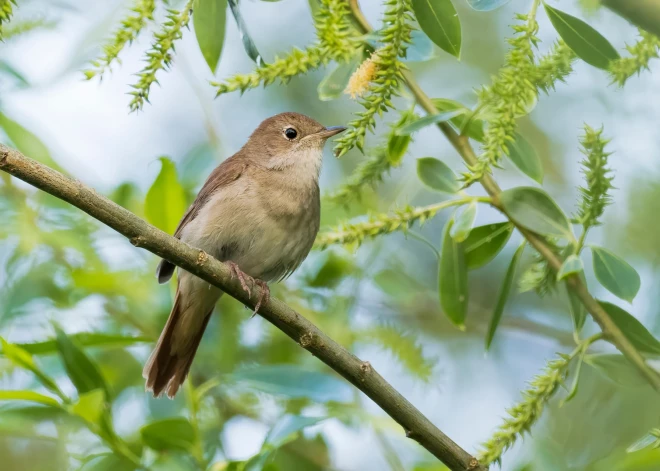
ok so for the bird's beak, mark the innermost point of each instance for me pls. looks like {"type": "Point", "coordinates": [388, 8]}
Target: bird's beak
{"type": "Point", "coordinates": [331, 131]}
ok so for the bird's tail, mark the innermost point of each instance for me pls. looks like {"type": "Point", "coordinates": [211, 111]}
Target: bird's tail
{"type": "Point", "coordinates": [170, 361]}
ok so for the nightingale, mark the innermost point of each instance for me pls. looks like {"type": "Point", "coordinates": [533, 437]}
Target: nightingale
{"type": "Point", "coordinates": [258, 211]}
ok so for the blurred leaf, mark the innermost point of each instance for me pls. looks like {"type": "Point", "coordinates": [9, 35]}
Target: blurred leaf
{"type": "Point", "coordinates": [248, 44]}
{"type": "Point", "coordinates": [437, 175]}
{"type": "Point", "coordinates": [82, 372]}
{"type": "Point", "coordinates": [293, 381]}
{"type": "Point", "coordinates": [169, 434]}
{"type": "Point", "coordinates": [165, 202]}
{"type": "Point", "coordinates": [617, 368]}
{"type": "Point", "coordinates": [485, 242]}
{"type": "Point", "coordinates": [615, 274]}
{"type": "Point", "coordinates": [576, 381]}
{"type": "Point", "coordinates": [396, 283]}
{"type": "Point", "coordinates": [8, 69]}
{"type": "Point", "coordinates": [650, 439]}
{"type": "Point", "coordinates": [30, 396]}
{"type": "Point", "coordinates": [127, 195]}
{"type": "Point", "coordinates": [428, 120]}
{"type": "Point", "coordinates": [586, 42]}
{"type": "Point", "coordinates": [638, 335]}
{"type": "Point", "coordinates": [487, 5]}
{"type": "Point", "coordinates": [209, 23]}
{"type": "Point", "coordinates": [107, 462]}
{"type": "Point", "coordinates": [502, 298]}
{"type": "Point", "coordinates": [534, 209]}
{"type": "Point", "coordinates": [524, 156]}
{"type": "Point", "coordinates": [578, 312]}
{"type": "Point", "coordinates": [333, 270]}
{"type": "Point", "coordinates": [21, 358]}
{"type": "Point", "coordinates": [571, 266]}
{"type": "Point", "coordinates": [475, 129]}
{"type": "Point", "coordinates": [334, 83]}
{"type": "Point", "coordinates": [453, 281]}
{"type": "Point", "coordinates": [287, 428]}
{"type": "Point", "coordinates": [439, 20]}
{"type": "Point", "coordinates": [421, 48]}
{"type": "Point", "coordinates": [90, 406]}
{"type": "Point", "coordinates": [85, 339]}
{"type": "Point", "coordinates": [26, 142]}
{"type": "Point", "coordinates": [464, 223]}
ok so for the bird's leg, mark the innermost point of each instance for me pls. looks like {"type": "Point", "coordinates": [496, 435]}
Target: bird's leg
{"type": "Point", "coordinates": [264, 297]}
{"type": "Point", "coordinates": [242, 277]}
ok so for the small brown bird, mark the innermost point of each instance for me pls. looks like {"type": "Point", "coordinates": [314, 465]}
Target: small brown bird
{"type": "Point", "coordinates": [259, 211]}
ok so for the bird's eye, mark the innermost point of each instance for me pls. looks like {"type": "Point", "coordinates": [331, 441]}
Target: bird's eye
{"type": "Point", "coordinates": [291, 133]}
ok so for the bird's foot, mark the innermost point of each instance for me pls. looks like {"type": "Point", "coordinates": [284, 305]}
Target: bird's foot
{"type": "Point", "coordinates": [242, 277]}
{"type": "Point", "coordinates": [264, 296]}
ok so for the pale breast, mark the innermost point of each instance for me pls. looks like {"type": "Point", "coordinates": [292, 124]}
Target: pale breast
{"type": "Point", "coordinates": [266, 225]}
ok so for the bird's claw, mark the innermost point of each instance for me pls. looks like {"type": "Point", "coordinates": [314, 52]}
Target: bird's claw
{"type": "Point", "coordinates": [242, 277]}
{"type": "Point", "coordinates": [264, 297]}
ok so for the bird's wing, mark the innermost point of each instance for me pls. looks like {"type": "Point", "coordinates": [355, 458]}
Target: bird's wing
{"type": "Point", "coordinates": [227, 172]}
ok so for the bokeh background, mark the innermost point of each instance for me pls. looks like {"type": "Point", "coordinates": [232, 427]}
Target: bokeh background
{"type": "Point", "coordinates": [59, 266]}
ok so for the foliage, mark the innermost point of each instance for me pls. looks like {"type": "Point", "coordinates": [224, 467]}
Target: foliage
{"type": "Point", "coordinates": [79, 379]}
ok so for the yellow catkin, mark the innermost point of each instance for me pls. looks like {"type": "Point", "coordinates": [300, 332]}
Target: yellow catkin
{"type": "Point", "coordinates": [359, 82]}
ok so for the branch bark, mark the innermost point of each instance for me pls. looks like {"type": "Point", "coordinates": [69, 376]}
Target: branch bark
{"type": "Point", "coordinates": [141, 234]}
{"type": "Point", "coordinates": [462, 145]}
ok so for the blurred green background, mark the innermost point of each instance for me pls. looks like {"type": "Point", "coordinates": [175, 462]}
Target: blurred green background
{"type": "Point", "coordinates": [261, 391]}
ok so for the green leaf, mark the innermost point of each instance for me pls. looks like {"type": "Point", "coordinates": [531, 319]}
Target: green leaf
{"type": "Point", "coordinates": [617, 368]}
{"type": "Point", "coordinates": [27, 142]}
{"type": "Point", "coordinates": [464, 223]}
{"type": "Point", "coordinates": [486, 5]}
{"type": "Point", "coordinates": [293, 381]}
{"type": "Point", "coordinates": [502, 298]}
{"type": "Point", "coordinates": [107, 462]}
{"type": "Point", "coordinates": [248, 44]}
{"type": "Point", "coordinates": [524, 156]}
{"type": "Point", "coordinates": [485, 242]}
{"type": "Point", "coordinates": [439, 20]}
{"type": "Point", "coordinates": [650, 439]}
{"type": "Point", "coordinates": [420, 123]}
{"type": "Point", "coordinates": [333, 270]}
{"type": "Point", "coordinates": [90, 406]}
{"type": "Point", "coordinates": [437, 175]}
{"type": "Point", "coordinates": [83, 373]}
{"type": "Point", "coordinates": [334, 83]}
{"type": "Point", "coordinates": [396, 148]}
{"type": "Point", "coordinates": [85, 339]}
{"type": "Point", "coordinates": [169, 434]}
{"type": "Point", "coordinates": [22, 358]}
{"type": "Point", "coordinates": [30, 396]}
{"type": "Point", "coordinates": [453, 280]}
{"type": "Point", "coordinates": [209, 22]}
{"type": "Point", "coordinates": [287, 428]}
{"type": "Point", "coordinates": [587, 43]}
{"type": "Point", "coordinates": [571, 266]}
{"type": "Point", "coordinates": [638, 335]}
{"type": "Point", "coordinates": [578, 312]}
{"type": "Point", "coordinates": [165, 202]}
{"type": "Point", "coordinates": [475, 129]}
{"type": "Point", "coordinates": [534, 209]}
{"type": "Point", "coordinates": [615, 274]}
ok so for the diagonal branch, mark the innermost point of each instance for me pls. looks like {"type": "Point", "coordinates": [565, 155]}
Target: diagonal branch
{"type": "Point", "coordinates": [461, 143]}
{"type": "Point", "coordinates": [307, 335]}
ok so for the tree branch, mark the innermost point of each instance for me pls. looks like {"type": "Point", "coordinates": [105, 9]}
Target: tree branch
{"type": "Point", "coordinates": [462, 145]}
{"type": "Point", "coordinates": [307, 335]}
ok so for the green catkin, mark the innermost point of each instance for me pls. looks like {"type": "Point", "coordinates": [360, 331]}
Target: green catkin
{"type": "Point", "coordinates": [141, 13]}
{"type": "Point", "coordinates": [524, 414]}
{"type": "Point", "coordinates": [6, 11]}
{"type": "Point", "coordinates": [159, 57]}
{"type": "Point", "coordinates": [641, 54]}
{"type": "Point", "coordinates": [336, 41]}
{"type": "Point", "coordinates": [384, 86]}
